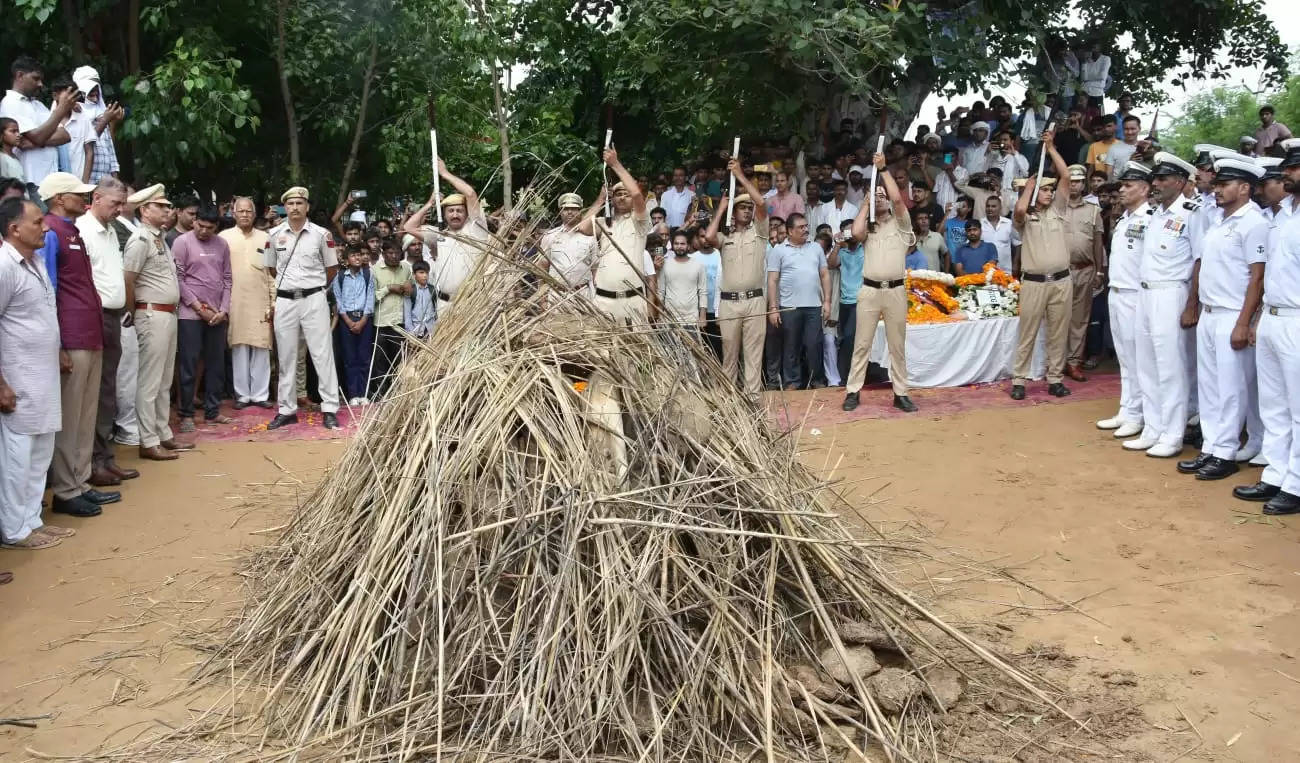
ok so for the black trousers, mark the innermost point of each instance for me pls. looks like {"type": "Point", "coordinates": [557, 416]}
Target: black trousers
{"type": "Point", "coordinates": [388, 355]}
{"type": "Point", "coordinates": [713, 335]}
{"type": "Point", "coordinates": [848, 319]}
{"type": "Point", "coordinates": [103, 453]}
{"type": "Point", "coordinates": [772, 356]}
{"type": "Point", "coordinates": [195, 338]}
{"type": "Point", "coordinates": [801, 335]}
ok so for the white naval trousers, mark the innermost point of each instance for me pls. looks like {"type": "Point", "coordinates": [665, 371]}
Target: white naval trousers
{"type": "Point", "coordinates": [24, 461]}
{"type": "Point", "coordinates": [1224, 377]}
{"type": "Point", "coordinates": [310, 318]}
{"type": "Point", "coordinates": [1162, 362]}
{"type": "Point", "coordinates": [1123, 306]}
{"type": "Point", "coordinates": [1277, 359]}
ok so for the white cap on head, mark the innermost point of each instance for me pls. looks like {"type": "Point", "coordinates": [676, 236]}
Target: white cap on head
{"type": "Point", "coordinates": [1223, 153]}
{"type": "Point", "coordinates": [1168, 164]}
{"type": "Point", "coordinates": [932, 136]}
{"type": "Point", "coordinates": [1249, 139]}
{"type": "Point", "coordinates": [858, 169]}
{"type": "Point", "coordinates": [1290, 144]}
{"type": "Point", "coordinates": [1237, 169]}
{"type": "Point", "coordinates": [86, 78]}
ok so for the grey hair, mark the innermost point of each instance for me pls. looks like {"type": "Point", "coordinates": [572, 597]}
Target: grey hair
{"type": "Point", "coordinates": [110, 183]}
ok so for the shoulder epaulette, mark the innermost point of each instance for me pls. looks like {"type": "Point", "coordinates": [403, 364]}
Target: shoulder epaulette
{"type": "Point", "coordinates": [1151, 210]}
{"type": "Point", "coordinates": [1192, 205]}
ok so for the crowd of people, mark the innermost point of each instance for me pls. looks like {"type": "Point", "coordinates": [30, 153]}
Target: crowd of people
{"type": "Point", "coordinates": [117, 305]}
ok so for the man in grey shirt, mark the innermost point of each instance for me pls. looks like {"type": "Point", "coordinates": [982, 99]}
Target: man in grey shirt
{"type": "Point", "coordinates": [799, 287]}
{"type": "Point", "coordinates": [684, 286]}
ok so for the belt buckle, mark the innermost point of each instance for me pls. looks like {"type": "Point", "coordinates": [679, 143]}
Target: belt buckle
{"type": "Point", "coordinates": [297, 293]}
{"type": "Point", "coordinates": [1272, 311]}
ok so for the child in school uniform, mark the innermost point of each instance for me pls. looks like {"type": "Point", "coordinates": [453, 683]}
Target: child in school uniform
{"type": "Point", "coordinates": [420, 310]}
{"type": "Point", "coordinates": [355, 331]}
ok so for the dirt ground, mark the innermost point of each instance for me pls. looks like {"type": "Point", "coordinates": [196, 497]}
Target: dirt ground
{"type": "Point", "coordinates": [1149, 584]}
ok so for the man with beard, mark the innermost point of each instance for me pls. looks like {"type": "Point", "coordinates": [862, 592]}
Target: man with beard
{"type": "Point", "coordinates": [1229, 275]}
{"type": "Point", "coordinates": [1125, 283]}
{"type": "Point", "coordinates": [459, 253]}
{"type": "Point", "coordinates": [568, 253]}
{"type": "Point", "coordinates": [624, 273]}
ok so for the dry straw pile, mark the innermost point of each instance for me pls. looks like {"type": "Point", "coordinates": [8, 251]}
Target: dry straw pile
{"type": "Point", "coordinates": [564, 540]}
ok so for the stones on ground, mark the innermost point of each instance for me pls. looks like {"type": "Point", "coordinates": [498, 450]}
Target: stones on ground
{"type": "Point", "coordinates": [860, 662]}
{"type": "Point", "coordinates": [894, 688]}
{"type": "Point", "coordinates": [865, 634]}
{"type": "Point", "coordinates": [813, 682]}
{"type": "Point", "coordinates": [947, 686]}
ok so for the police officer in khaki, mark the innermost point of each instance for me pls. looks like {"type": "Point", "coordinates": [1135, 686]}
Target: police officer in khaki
{"type": "Point", "coordinates": [884, 270]}
{"type": "Point", "coordinates": [455, 256]}
{"type": "Point", "coordinates": [302, 262]}
{"type": "Point", "coordinates": [742, 312]}
{"type": "Point", "coordinates": [624, 273]}
{"type": "Point", "coordinates": [152, 291]}
{"type": "Point", "coordinates": [570, 253]}
{"type": "Point", "coordinates": [1045, 286]}
{"type": "Point", "coordinates": [1084, 237]}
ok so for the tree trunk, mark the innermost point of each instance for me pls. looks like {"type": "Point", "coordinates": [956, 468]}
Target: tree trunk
{"type": "Point", "coordinates": [133, 37]}
{"type": "Point", "coordinates": [351, 162]}
{"type": "Point", "coordinates": [291, 119]}
{"type": "Point", "coordinates": [503, 129]}
{"type": "Point", "coordinates": [72, 25]}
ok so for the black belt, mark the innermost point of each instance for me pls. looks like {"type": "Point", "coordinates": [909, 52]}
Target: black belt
{"type": "Point", "coordinates": [297, 293]}
{"type": "Point", "coordinates": [1045, 277]}
{"type": "Point", "coordinates": [444, 296]}
{"type": "Point", "coordinates": [736, 296]}
{"type": "Point", "coordinates": [883, 284]}
{"type": "Point", "coordinates": [617, 294]}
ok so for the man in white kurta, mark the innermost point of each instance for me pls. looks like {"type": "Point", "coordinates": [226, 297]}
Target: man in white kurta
{"type": "Point", "coordinates": [252, 292]}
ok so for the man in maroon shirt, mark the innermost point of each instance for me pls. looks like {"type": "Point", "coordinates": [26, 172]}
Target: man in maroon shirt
{"type": "Point", "coordinates": [203, 272]}
{"type": "Point", "coordinates": [81, 335]}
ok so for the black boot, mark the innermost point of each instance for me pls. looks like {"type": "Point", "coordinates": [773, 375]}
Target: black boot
{"type": "Point", "coordinates": [1193, 465]}
{"type": "Point", "coordinates": [1058, 390]}
{"type": "Point", "coordinates": [1260, 491]}
{"type": "Point", "coordinates": [850, 401]}
{"type": "Point", "coordinates": [1217, 469]}
{"type": "Point", "coordinates": [1283, 503]}
{"type": "Point", "coordinates": [283, 420]}
{"type": "Point", "coordinates": [1017, 392]}
{"type": "Point", "coordinates": [904, 404]}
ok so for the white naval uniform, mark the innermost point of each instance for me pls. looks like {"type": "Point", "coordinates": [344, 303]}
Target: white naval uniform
{"type": "Point", "coordinates": [1125, 288]}
{"type": "Point", "coordinates": [1226, 377]}
{"type": "Point", "coordinates": [301, 261]}
{"type": "Point", "coordinates": [1277, 358]}
{"type": "Point", "coordinates": [1162, 342]}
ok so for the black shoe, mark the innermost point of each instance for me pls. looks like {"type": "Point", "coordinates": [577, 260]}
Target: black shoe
{"type": "Point", "coordinates": [817, 385]}
{"type": "Point", "coordinates": [904, 404]}
{"type": "Point", "coordinates": [240, 405]}
{"type": "Point", "coordinates": [1217, 469]}
{"type": "Point", "coordinates": [283, 420]}
{"type": "Point", "coordinates": [331, 421]}
{"type": "Point", "coordinates": [77, 507]}
{"type": "Point", "coordinates": [1260, 491]}
{"type": "Point", "coordinates": [850, 401]}
{"type": "Point", "coordinates": [1058, 390]}
{"type": "Point", "coordinates": [771, 386]}
{"type": "Point", "coordinates": [1283, 503]}
{"type": "Point", "coordinates": [1193, 465]}
{"type": "Point", "coordinates": [1192, 436]}
{"type": "Point", "coordinates": [1017, 392]}
{"type": "Point", "coordinates": [102, 498]}
{"type": "Point", "coordinates": [266, 404]}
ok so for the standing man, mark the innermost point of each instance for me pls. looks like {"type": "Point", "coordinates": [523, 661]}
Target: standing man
{"type": "Point", "coordinates": [102, 117]}
{"type": "Point", "coordinates": [41, 126]}
{"type": "Point", "coordinates": [126, 427]}
{"type": "Point", "coordinates": [570, 255]}
{"type": "Point", "coordinates": [1229, 276]}
{"type": "Point", "coordinates": [996, 229]}
{"type": "Point", "coordinates": [1167, 308]}
{"type": "Point", "coordinates": [744, 264]}
{"type": "Point", "coordinates": [677, 199]}
{"type": "Point", "coordinates": [1125, 261]}
{"type": "Point", "coordinates": [1045, 289]}
{"type": "Point", "coordinates": [785, 201]}
{"type": "Point", "coordinates": [29, 377]}
{"type": "Point", "coordinates": [96, 228]}
{"type": "Point", "coordinates": [252, 292]}
{"type": "Point", "coordinates": [456, 255]}
{"type": "Point", "coordinates": [1268, 137]}
{"type": "Point", "coordinates": [1084, 235]}
{"type": "Point", "coordinates": [184, 213]}
{"type": "Point", "coordinates": [1277, 348]}
{"type": "Point", "coordinates": [798, 287]}
{"type": "Point", "coordinates": [81, 332]}
{"type": "Point", "coordinates": [620, 284]}
{"type": "Point", "coordinates": [883, 274]}
{"type": "Point", "coordinates": [393, 287]}
{"type": "Point", "coordinates": [152, 290]}
{"type": "Point", "coordinates": [303, 262]}
{"type": "Point", "coordinates": [203, 272]}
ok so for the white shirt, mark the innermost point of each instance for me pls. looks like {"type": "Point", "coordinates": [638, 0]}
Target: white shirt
{"type": "Point", "coordinates": [81, 133]}
{"type": "Point", "coordinates": [676, 203]}
{"type": "Point", "coordinates": [1093, 75]}
{"type": "Point", "coordinates": [974, 157]}
{"type": "Point", "coordinates": [1013, 165]}
{"type": "Point", "coordinates": [1282, 274]}
{"type": "Point", "coordinates": [105, 260]}
{"type": "Point", "coordinates": [30, 114]}
{"type": "Point", "coordinates": [1167, 246]}
{"type": "Point", "coordinates": [1232, 244]}
{"type": "Point", "coordinates": [855, 196]}
{"type": "Point", "coordinates": [999, 237]}
{"type": "Point", "coordinates": [945, 192]}
{"type": "Point", "coordinates": [1117, 157]}
{"type": "Point", "coordinates": [1126, 247]}
{"type": "Point", "coordinates": [835, 216]}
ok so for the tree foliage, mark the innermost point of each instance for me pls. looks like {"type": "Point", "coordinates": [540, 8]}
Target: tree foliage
{"type": "Point", "coordinates": [1224, 114]}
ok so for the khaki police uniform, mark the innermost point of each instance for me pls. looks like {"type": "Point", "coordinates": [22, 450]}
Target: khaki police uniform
{"type": "Point", "coordinates": [300, 259]}
{"type": "Point", "coordinates": [572, 255]}
{"type": "Point", "coordinates": [1045, 288]}
{"type": "Point", "coordinates": [455, 253]}
{"type": "Point", "coordinates": [884, 268]}
{"type": "Point", "coordinates": [154, 314]}
{"type": "Point", "coordinates": [742, 310]}
{"type": "Point", "coordinates": [1082, 224]}
{"type": "Point", "coordinates": [619, 282]}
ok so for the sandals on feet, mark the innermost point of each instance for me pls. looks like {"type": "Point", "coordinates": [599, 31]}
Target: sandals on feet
{"type": "Point", "coordinates": [34, 542]}
{"type": "Point", "coordinates": [55, 531]}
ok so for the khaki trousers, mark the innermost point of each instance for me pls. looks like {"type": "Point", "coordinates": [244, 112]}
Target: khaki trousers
{"type": "Point", "coordinates": [75, 442]}
{"type": "Point", "coordinates": [744, 329]}
{"type": "Point", "coordinates": [631, 310]}
{"type": "Point", "coordinates": [156, 332]}
{"type": "Point", "coordinates": [1039, 301]}
{"type": "Point", "coordinates": [872, 304]}
{"type": "Point", "coordinates": [1080, 311]}
{"type": "Point", "coordinates": [306, 319]}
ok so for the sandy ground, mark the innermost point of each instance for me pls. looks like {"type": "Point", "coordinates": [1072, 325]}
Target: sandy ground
{"type": "Point", "coordinates": [1181, 609]}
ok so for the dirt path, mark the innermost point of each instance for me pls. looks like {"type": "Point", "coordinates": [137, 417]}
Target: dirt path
{"type": "Point", "coordinates": [1197, 611]}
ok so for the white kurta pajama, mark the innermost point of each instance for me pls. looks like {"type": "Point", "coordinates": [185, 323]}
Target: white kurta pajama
{"type": "Point", "coordinates": [252, 292]}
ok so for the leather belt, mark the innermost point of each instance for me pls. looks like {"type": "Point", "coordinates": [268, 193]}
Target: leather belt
{"type": "Point", "coordinates": [155, 306]}
{"type": "Point", "coordinates": [297, 293]}
{"type": "Point", "coordinates": [1282, 312]}
{"type": "Point", "coordinates": [883, 284]}
{"type": "Point", "coordinates": [617, 294]}
{"type": "Point", "coordinates": [444, 296]}
{"type": "Point", "coordinates": [736, 296]}
{"type": "Point", "coordinates": [1059, 275]}
{"type": "Point", "coordinates": [1162, 284]}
